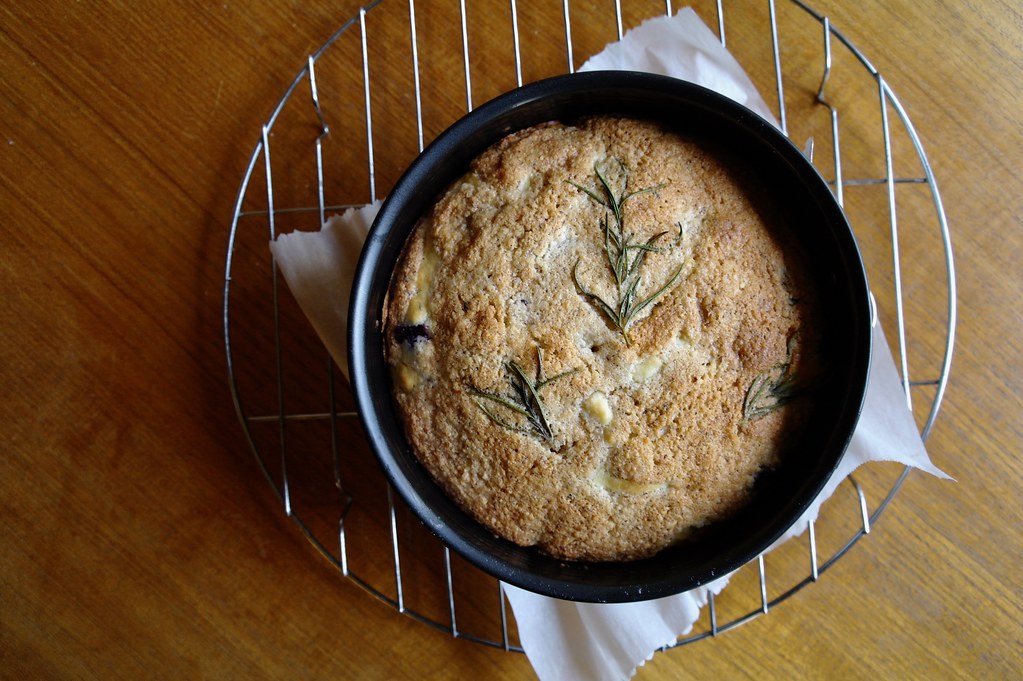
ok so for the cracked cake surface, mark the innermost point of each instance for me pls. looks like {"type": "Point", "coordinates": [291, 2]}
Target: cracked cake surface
{"type": "Point", "coordinates": [598, 337]}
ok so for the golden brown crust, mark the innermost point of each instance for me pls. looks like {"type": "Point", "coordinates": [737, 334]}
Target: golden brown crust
{"type": "Point", "coordinates": [648, 437]}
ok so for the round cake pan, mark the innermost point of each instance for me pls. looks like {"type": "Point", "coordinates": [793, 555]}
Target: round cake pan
{"type": "Point", "coordinates": [781, 495]}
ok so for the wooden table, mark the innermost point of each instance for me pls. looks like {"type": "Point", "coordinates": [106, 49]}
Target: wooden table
{"type": "Point", "coordinates": [140, 539]}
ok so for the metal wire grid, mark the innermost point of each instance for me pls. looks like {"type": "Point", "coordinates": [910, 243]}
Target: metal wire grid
{"type": "Point", "coordinates": [338, 555]}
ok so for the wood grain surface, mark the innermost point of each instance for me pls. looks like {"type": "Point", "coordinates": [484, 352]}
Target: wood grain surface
{"type": "Point", "coordinates": [141, 540]}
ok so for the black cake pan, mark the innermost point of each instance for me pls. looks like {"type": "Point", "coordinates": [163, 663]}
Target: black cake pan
{"type": "Point", "coordinates": [780, 496]}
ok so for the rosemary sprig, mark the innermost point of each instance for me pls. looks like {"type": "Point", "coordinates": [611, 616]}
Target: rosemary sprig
{"type": "Point", "coordinates": [523, 400]}
{"type": "Point", "coordinates": [772, 389]}
{"type": "Point", "coordinates": [625, 257]}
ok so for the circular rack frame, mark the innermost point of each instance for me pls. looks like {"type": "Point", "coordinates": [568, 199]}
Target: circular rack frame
{"type": "Point", "coordinates": [273, 418]}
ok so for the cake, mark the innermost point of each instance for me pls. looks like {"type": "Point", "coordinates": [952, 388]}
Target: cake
{"type": "Point", "coordinates": [599, 337]}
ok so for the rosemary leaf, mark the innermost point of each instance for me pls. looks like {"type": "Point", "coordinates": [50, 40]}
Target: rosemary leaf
{"type": "Point", "coordinates": [657, 294]}
{"type": "Point", "coordinates": [501, 422]}
{"type": "Point", "coordinates": [529, 395]}
{"type": "Point", "coordinates": [589, 192]}
{"type": "Point", "coordinates": [501, 400]}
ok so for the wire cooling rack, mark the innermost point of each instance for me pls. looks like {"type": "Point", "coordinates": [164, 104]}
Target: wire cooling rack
{"type": "Point", "coordinates": [374, 94]}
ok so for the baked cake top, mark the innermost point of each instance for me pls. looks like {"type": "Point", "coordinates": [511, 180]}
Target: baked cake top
{"type": "Point", "coordinates": [594, 336]}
